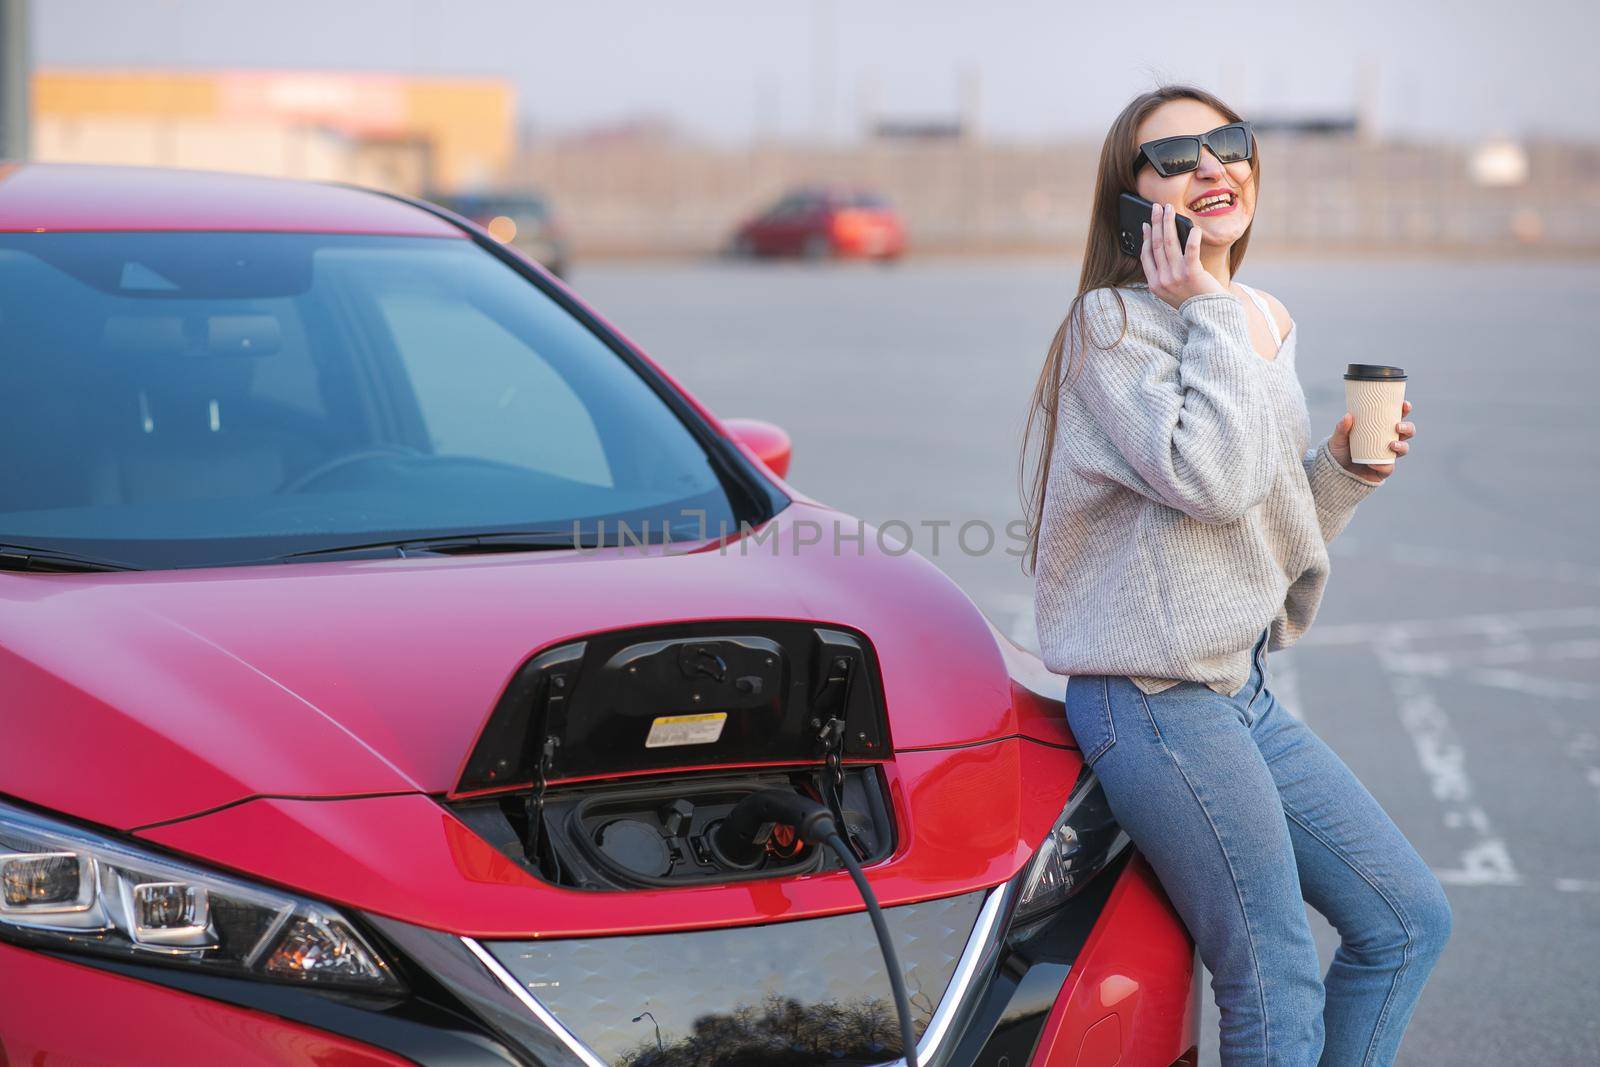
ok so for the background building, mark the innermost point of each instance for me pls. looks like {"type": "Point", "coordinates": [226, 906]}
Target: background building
{"type": "Point", "coordinates": [401, 132]}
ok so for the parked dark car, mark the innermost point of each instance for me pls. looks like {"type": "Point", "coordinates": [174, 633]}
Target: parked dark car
{"type": "Point", "coordinates": [821, 223]}
{"type": "Point", "coordinates": [524, 219]}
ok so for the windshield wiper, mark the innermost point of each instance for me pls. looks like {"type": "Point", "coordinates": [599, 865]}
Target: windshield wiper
{"type": "Point", "coordinates": [26, 558]}
{"type": "Point", "coordinates": [455, 545]}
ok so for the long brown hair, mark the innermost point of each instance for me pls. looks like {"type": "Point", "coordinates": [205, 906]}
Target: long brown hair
{"type": "Point", "coordinates": [1104, 264]}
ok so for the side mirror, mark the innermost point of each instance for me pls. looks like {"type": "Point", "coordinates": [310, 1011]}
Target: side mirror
{"type": "Point", "coordinates": [770, 443]}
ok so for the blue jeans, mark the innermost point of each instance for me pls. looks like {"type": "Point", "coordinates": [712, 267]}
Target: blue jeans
{"type": "Point", "coordinates": [1242, 811]}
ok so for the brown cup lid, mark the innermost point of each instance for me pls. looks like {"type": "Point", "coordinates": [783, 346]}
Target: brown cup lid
{"type": "Point", "coordinates": [1373, 372]}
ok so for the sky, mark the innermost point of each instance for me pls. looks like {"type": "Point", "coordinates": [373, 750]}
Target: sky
{"type": "Point", "coordinates": [727, 70]}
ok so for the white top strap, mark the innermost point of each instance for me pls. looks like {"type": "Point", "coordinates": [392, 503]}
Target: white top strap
{"type": "Point", "coordinates": [1266, 312]}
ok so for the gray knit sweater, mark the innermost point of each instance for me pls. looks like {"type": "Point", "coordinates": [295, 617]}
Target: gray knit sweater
{"type": "Point", "coordinates": [1184, 512]}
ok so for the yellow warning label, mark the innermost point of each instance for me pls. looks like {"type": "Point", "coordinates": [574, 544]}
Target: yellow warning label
{"type": "Point", "coordinates": [671, 730]}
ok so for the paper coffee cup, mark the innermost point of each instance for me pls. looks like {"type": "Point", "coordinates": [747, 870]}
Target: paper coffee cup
{"type": "Point", "coordinates": [1373, 393]}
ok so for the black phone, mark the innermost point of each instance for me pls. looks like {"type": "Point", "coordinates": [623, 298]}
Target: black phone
{"type": "Point", "coordinates": [1134, 210]}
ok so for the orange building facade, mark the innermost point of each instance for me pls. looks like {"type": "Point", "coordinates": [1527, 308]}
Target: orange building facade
{"type": "Point", "coordinates": [399, 132]}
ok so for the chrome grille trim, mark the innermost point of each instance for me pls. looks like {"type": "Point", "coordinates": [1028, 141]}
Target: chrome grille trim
{"type": "Point", "coordinates": [565, 1036]}
{"type": "Point", "coordinates": [956, 992]}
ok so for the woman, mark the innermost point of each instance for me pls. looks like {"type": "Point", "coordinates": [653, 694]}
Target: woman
{"type": "Point", "coordinates": [1179, 529]}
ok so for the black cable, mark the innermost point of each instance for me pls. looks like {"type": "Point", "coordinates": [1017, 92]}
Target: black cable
{"type": "Point", "coordinates": [733, 840]}
{"type": "Point", "coordinates": [902, 1006]}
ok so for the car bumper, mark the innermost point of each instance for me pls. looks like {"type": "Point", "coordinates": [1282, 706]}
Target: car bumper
{"type": "Point", "coordinates": [1133, 995]}
{"type": "Point", "coordinates": [1110, 979]}
{"type": "Point", "coordinates": [877, 243]}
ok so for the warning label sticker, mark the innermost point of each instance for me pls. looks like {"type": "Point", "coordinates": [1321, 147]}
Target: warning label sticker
{"type": "Point", "coordinates": [686, 729]}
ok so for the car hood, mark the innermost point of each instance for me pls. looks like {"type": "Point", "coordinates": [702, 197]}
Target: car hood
{"type": "Point", "coordinates": [148, 697]}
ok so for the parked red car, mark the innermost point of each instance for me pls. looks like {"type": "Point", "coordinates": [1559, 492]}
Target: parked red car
{"type": "Point", "coordinates": [822, 223]}
{"type": "Point", "coordinates": [386, 643]}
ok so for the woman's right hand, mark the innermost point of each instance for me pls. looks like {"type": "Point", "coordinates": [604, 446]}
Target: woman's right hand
{"type": "Point", "coordinates": [1174, 273]}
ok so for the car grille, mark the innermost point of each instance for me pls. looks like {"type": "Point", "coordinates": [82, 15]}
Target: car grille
{"type": "Point", "coordinates": [793, 992]}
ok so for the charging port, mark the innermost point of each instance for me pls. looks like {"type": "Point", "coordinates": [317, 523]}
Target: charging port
{"type": "Point", "coordinates": [638, 834]}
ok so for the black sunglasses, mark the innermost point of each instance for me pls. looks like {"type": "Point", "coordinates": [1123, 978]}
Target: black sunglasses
{"type": "Point", "coordinates": [1233, 143]}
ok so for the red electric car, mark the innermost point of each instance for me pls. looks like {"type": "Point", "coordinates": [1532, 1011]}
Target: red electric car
{"type": "Point", "coordinates": [390, 652]}
{"type": "Point", "coordinates": [823, 223]}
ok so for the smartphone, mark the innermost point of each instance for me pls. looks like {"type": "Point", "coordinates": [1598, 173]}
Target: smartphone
{"type": "Point", "coordinates": [1132, 211]}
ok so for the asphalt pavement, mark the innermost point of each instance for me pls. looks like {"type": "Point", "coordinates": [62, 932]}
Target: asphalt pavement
{"type": "Point", "coordinates": [1455, 662]}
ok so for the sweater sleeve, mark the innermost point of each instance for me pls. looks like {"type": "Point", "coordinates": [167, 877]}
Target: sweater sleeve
{"type": "Point", "coordinates": [1196, 425]}
{"type": "Point", "coordinates": [1335, 490]}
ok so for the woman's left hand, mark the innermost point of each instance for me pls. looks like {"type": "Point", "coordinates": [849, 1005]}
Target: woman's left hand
{"type": "Point", "coordinates": [1339, 446]}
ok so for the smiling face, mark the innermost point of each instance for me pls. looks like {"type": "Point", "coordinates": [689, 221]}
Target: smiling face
{"type": "Point", "coordinates": [1222, 223]}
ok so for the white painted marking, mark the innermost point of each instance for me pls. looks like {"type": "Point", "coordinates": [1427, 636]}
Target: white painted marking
{"type": "Point", "coordinates": [1558, 572]}
{"type": "Point", "coordinates": [1486, 863]}
{"type": "Point", "coordinates": [1388, 634]}
{"type": "Point", "coordinates": [1510, 642]}
{"type": "Point", "coordinates": [1519, 650]}
{"type": "Point", "coordinates": [1485, 860]}
{"type": "Point", "coordinates": [1434, 665]}
{"type": "Point", "coordinates": [1577, 885]}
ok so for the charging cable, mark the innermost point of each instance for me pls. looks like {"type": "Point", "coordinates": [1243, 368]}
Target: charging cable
{"type": "Point", "coordinates": [735, 839]}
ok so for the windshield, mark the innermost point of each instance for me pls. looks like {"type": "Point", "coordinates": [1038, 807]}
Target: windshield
{"type": "Point", "coordinates": [188, 399]}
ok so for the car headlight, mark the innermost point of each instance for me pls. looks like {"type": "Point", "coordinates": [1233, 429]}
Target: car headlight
{"type": "Point", "coordinates": [66, 888]}
{"type": "Point", "coordinates": [1084, 839]}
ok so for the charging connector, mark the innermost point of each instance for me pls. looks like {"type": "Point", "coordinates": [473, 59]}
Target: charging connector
{"type": "Point", "coordinates": [738, 837]}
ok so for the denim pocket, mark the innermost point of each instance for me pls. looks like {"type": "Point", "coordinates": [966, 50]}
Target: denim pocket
{"type": "Point", "coordinates": [1089, 715]}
